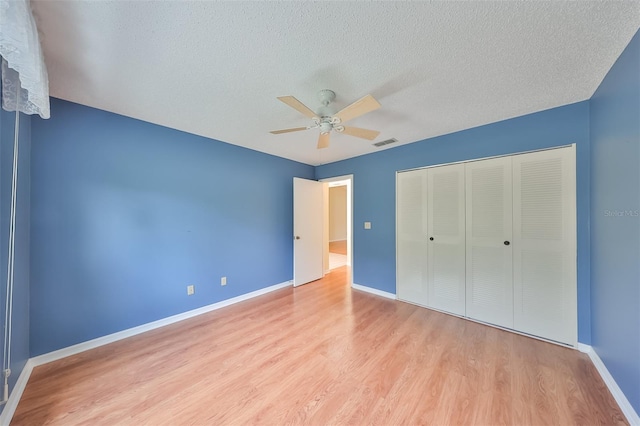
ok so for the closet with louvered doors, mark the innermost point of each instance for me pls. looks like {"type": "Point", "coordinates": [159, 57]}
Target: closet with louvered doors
{"type": "Point", "coordinates": [445, 245]}
{"type": "Point", "coordinates": [493, 240]}
{"type": "Point", "coordinates": [544, 245]}
{"type": "Point", "coordinates": [489, 260]}
{"type": "Point", "coordinates": [411, 236]}
{"type": "Point", "coordinates": [430, 238]}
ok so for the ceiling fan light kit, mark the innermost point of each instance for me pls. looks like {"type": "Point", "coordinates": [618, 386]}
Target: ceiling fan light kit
{"type": "Point", "coordinates": [327, 120]}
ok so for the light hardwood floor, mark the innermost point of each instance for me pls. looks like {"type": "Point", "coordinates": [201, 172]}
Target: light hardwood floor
{"type": "Point", "coordinates": [321, 354]}
{"type": "Point", "coordinates": [339, 247]}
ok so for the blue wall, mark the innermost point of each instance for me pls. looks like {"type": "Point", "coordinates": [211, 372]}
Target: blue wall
{"type": "Point", "coordinates": [125, 214]}
{"type": "Point", "coordinates": [20, 336]}
{"type": "Point", "coordinates": [374, 261]}
{"type": "Point", "coordinates": [615, 221]}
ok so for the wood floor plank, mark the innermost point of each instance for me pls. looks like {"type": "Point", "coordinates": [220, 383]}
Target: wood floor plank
{"type": "Point", "coordinates": [339, 247]}
{"type": "Point", "coordinates": [320, 354]}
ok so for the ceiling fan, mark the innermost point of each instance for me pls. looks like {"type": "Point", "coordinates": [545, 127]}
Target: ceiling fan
{"type": "Point", "coordinates": [326, 119]}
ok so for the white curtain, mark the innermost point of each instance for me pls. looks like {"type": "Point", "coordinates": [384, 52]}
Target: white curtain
{"type": "Point", "coordinates": [25, 85]}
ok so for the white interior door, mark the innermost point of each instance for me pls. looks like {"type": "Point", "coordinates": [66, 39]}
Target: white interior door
{"type": "Point", "coordinates": [544, 261]}
{"type": "Point", "coordinates": [489, 246]}
{"type": "Point", "coordinates": [307, 231]}
{"type": "Point", "coordinates": [411, 235]}
{"type": "Point", "coordinates": [446, 235]}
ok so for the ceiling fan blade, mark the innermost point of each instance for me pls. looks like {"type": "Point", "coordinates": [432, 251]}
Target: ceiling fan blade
{"type": "Point", "coordinates": [295, 129]}
{"type": "Point", "coordinates": [361, 133]}
{"type": "Point", "coordinates": [358, 108]}
{"type": "Point", "coordinates": [323, 140]}
{"type": "Point", "coordinates": [297, 105]}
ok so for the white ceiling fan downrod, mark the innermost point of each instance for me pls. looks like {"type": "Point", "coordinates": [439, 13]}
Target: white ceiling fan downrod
{"type": "Point", "coordinates": [326, 120]}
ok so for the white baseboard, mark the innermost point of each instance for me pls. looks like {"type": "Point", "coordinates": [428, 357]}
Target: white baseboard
{"type": "Point", "coordinates": [621, 399]}
{"type": "Point", "coordinates": [16, 394]}
{"type": "Point", "coordinates": [584, 348]}
{"type": "Point", "coordinates": [374, 291]}
{"type": "Point", "coordinates": [100, 341]}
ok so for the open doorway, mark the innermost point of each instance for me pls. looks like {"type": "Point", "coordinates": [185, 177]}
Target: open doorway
{"type": "Point", "coordinates": [338, 222]}
{"type": "Point", "coordinates": [337, 225]}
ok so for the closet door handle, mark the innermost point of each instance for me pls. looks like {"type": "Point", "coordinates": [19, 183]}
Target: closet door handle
{"type": "Point", "coordinates": [431, 239]}
{"type": "Point", "coordinates": [506, 243]}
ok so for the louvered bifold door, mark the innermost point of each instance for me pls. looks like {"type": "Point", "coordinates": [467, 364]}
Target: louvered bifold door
{"type": "Point", "coordinates": [411, 205]}
{"type": "Point", "coordinates": [445, 229]}
{"type": "Point", "coordinates": [489, 249]}
{"type": "Point", "coordinates": [544, 214]}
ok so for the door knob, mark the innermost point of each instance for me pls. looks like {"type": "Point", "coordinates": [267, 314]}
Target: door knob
{"type": "Point", "coordinates": [297, 237]}
{"type": "Point", "coordinates": [506, 243]}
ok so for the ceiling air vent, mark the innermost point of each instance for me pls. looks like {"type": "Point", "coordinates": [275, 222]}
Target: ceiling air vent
{"type": "Point", "coordinates": [387, 142]}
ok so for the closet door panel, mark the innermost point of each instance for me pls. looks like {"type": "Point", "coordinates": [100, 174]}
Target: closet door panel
{"type": "Point", "coordinates": [446, 252]}
{"type": "Point", "coordinates": [411, 236]}
{"type": "Point", "coordinates": [489, 284]}
{"type": "Point", "coordinates": [545, 245]}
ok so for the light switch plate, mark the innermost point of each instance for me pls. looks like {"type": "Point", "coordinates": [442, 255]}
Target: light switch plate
{"type": "Point", "coordinates": [367, 225]}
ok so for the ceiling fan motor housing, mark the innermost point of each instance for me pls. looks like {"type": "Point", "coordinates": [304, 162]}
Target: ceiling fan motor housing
{"type": "Point", "coordinates": [326, 113]}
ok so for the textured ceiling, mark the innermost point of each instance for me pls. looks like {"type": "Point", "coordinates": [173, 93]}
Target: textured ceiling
{"type": "Point", "coordinates": [216, 68]}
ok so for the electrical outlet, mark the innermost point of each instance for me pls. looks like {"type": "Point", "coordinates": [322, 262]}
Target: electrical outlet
{"type": "Point", "coordinates": [190, 290]}
{"type": "Point", "coordinates": [223, 281]}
